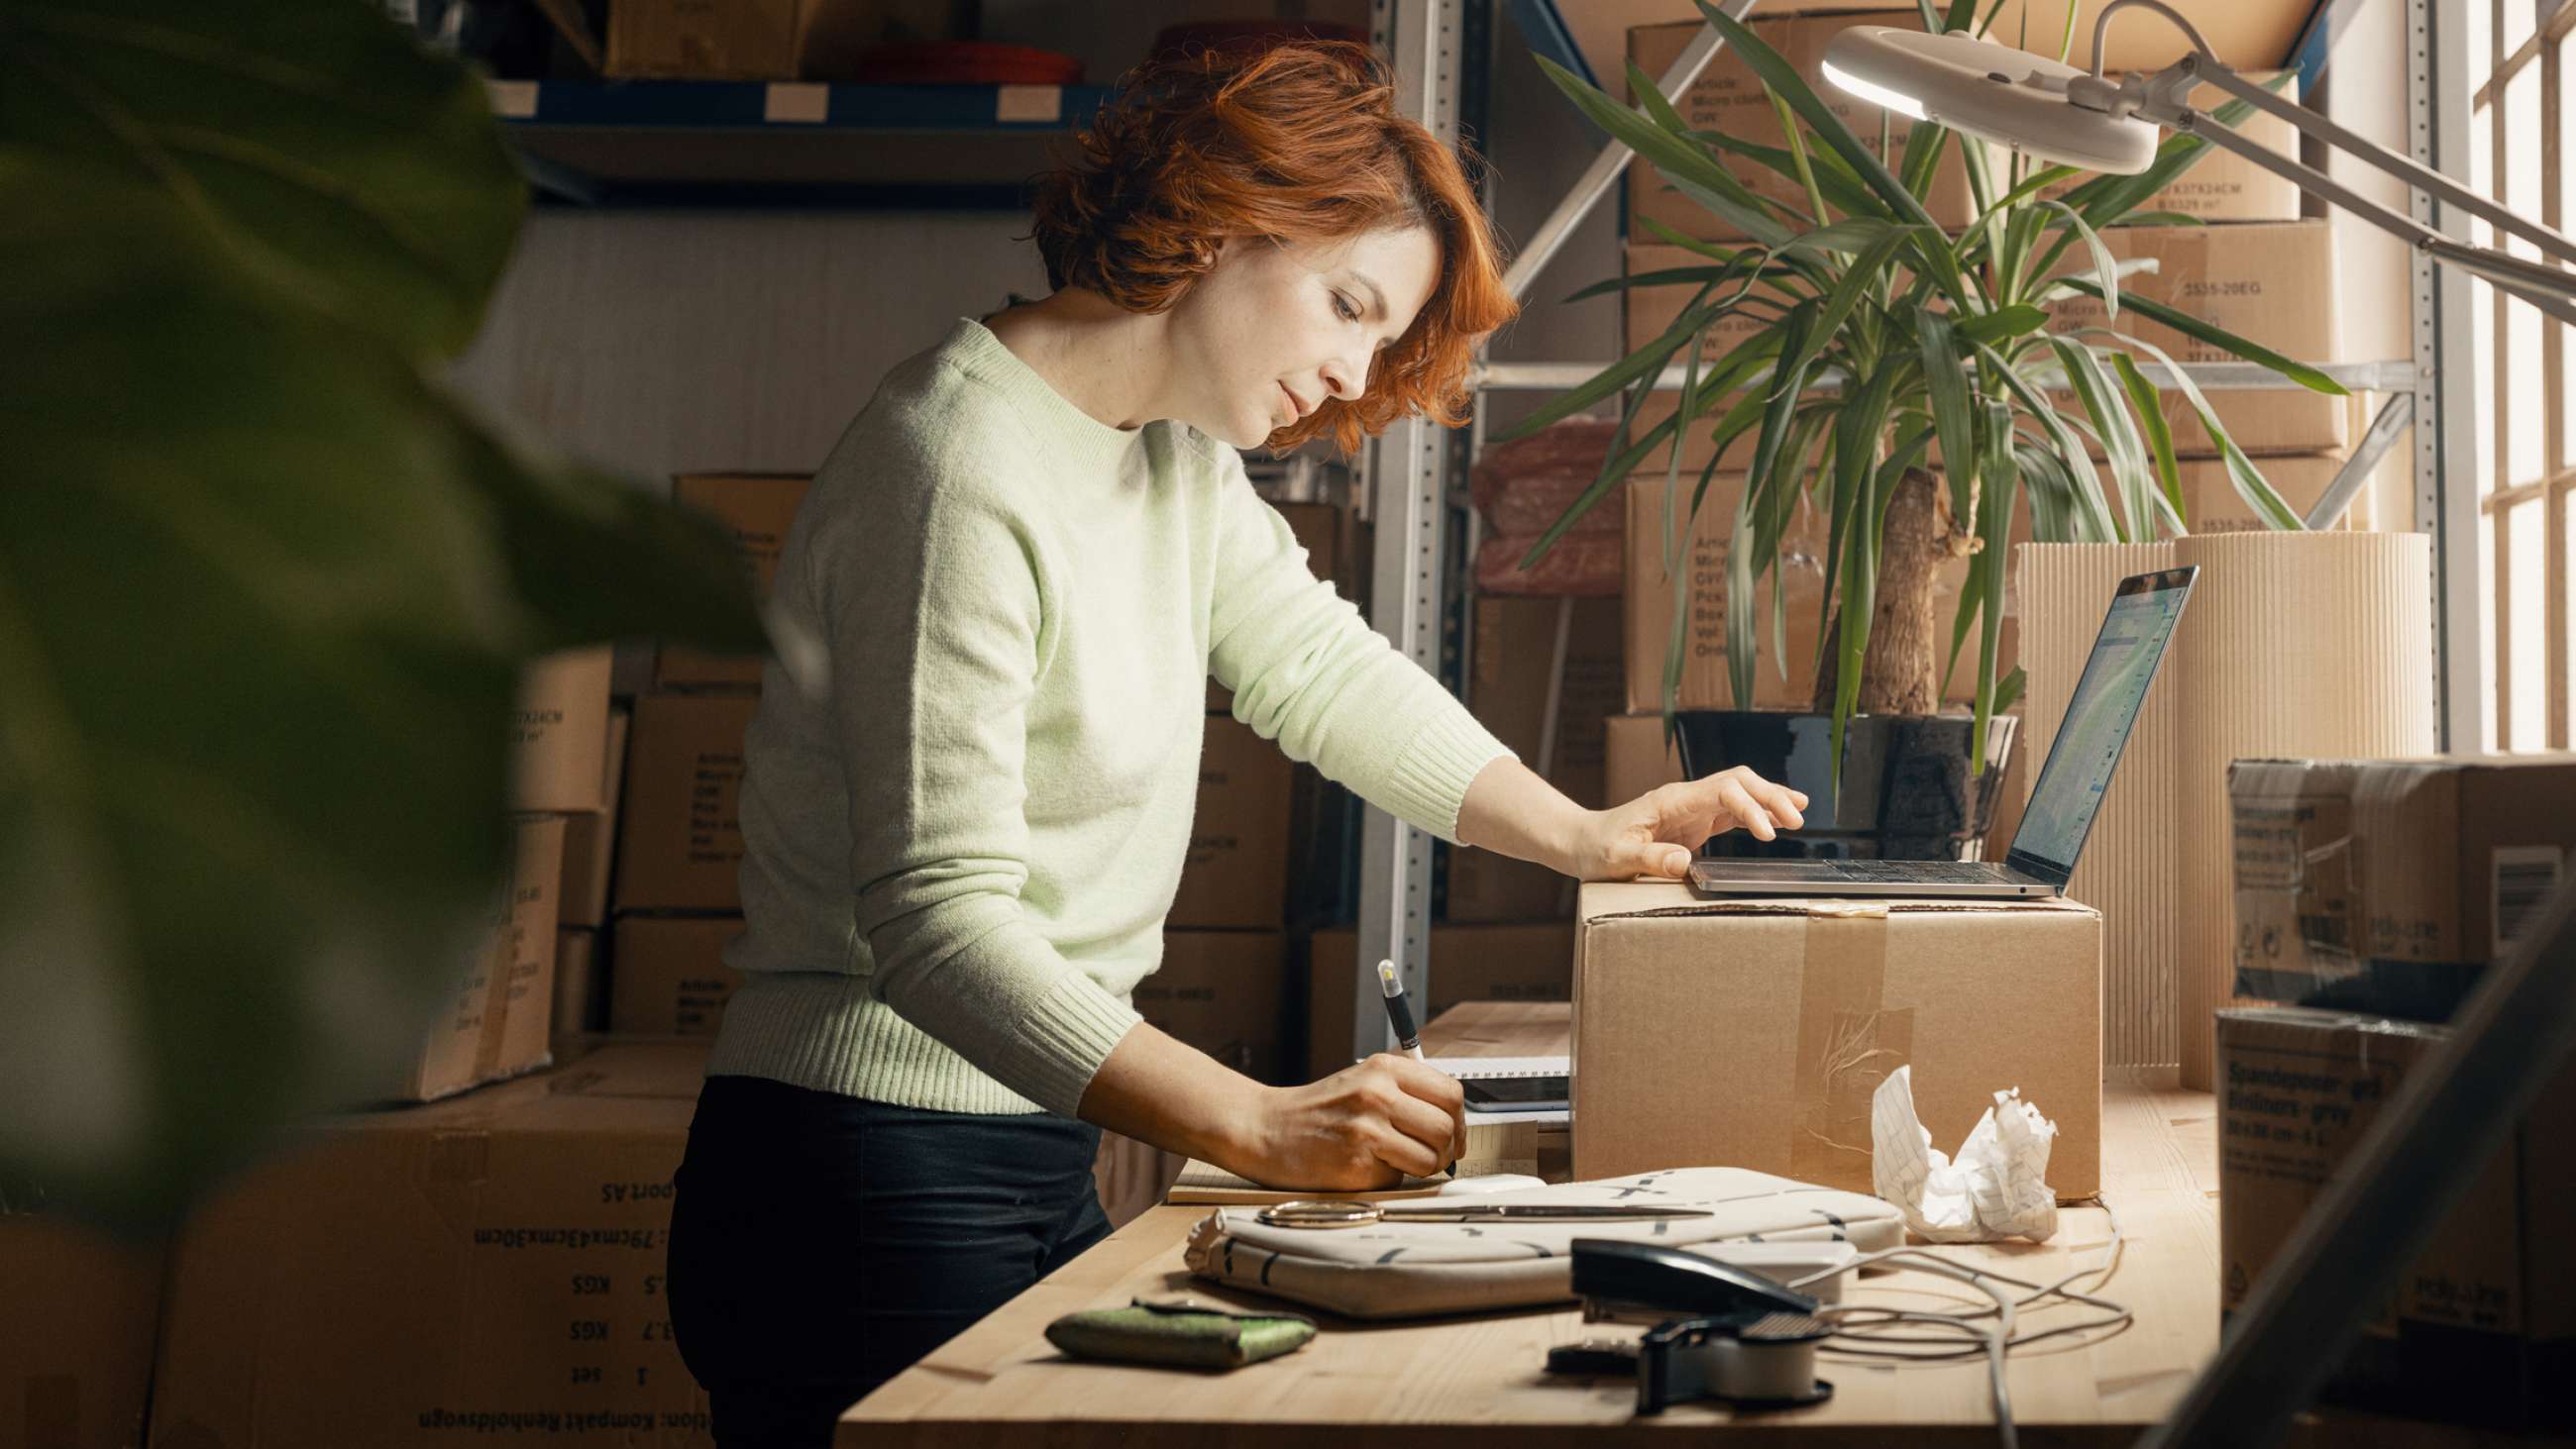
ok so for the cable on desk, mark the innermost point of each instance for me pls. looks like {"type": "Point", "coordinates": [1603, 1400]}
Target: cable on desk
{"type": "Point", "coordinates": [1992, 1342]}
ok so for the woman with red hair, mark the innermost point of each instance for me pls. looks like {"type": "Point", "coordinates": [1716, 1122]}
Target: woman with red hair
{"type": "Point", "coordinates": [1023, 559]}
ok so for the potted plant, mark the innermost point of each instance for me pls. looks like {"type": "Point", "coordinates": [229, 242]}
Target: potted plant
{"type": "Point", "coordinates": [1882, 342]}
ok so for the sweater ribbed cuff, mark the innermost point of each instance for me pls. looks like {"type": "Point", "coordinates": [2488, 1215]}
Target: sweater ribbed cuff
{"type": "Point", "coordinates": [1430, 779]}
{"type": "Point", "coordinates": [1069, 1031]}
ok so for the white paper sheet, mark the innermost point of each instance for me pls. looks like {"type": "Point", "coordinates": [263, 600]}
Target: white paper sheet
{"type": "Point", "coordinates": [1997, 1187]}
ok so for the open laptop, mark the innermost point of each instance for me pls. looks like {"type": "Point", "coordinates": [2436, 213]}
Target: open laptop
{"type": "Point", "coordinates": [2107, 698]}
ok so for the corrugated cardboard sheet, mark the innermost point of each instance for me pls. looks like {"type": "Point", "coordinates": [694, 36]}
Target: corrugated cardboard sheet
{"type": "Point", "coordinates": [1753, 1033]}
{"type": "Point", "coordinates": [2294, 644]}
{"type": "Point", "coordinates": [2129, 871]}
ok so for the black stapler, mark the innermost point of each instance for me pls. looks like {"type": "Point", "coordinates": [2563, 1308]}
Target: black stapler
{"type": "Point", "coordinates": [1724, 1333]}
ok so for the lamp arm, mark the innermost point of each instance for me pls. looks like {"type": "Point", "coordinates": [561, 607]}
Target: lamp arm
{"type": "Point", "coordinates": [2102, 27]}
{"type": "Point", "coordinates": [2544, 287]}
{"type": "Point", "coordinates": [2404, 168]}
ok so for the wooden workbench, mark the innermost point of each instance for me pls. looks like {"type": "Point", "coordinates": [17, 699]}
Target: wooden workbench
{"type": "Point", "coordinates": [1478, 1381]}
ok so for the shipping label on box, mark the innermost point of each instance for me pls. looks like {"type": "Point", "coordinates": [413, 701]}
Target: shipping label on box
{"type": "Point", "coordinates": [559, 732]}
{"type": "Point", "coordinates": [501, 1018]}
{"type": "Point", "coordinates": [667, 974]}
{"type": "Point", "coordinates": [1224, 992]}
{"type": "Point", "coordinates": [2391, 885]}
{"type": "Point", "coordinates": [1528, 961]}
{"type": "Point", "coordinates": [679, 836]}
{"type": "Point", "coordinates": [1236, 874]}
{"type": "Point", "coordinates": [2478, 1328]}
{"type": "Point", "coordinates": [1753, 1033]}
{"type": "Point", "coordinates": [491, 1268]}
{"type": "Point", "coordinates": [757, 509]}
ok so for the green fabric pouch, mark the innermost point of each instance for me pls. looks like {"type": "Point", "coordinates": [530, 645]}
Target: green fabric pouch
{"type": "Point", "coordinates": [1179, 1334]}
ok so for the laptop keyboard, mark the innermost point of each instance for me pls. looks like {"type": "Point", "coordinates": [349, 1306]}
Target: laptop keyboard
{"type": "Point", "coordinates": [1902, 872]}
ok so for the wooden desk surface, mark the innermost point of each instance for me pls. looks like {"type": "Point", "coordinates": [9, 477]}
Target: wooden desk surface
{"type": "Point", "coordinates": [1479, 1381]}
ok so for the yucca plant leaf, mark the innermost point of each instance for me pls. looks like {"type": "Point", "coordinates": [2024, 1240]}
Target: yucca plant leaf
{"type": "Point", "coordinates": [2251, 485]}
{"type": "Point", "coordinates": [2052, 494]}
{"type": "Point", "coordinates": [1840, 187]}
{"type": "Point", "coordinates": [1849, 236]}
{"type": "Point", "coordinates": [1946, 379]}
{"type": "Point", "coordinates": [2190, 326]}
{"type": "Point", "coordinates": [2148, 402]}
{"type": "Point", "coordinates": [1690, 170]}
{"type": "Point", "coordinates": [2000, 324]}
{"type": "Point", "coordinates": [1838, 304]}
{"type": "Point", "coordinates": [1776, 72]}
{"type": "Point", "coordinates": [1647, 362]}
{"type": "Point", "coordinates": [2109, 412]}
{"type": "Point", "coordinates": [1997, 498]}
{"type": "Point", "coordinates": [2084, 484]}
{"type": "Point", "coordinates": [2106, 268]}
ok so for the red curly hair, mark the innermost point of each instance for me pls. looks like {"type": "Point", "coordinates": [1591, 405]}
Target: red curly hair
{"type": "Point", "coordinates": [1301, 142]}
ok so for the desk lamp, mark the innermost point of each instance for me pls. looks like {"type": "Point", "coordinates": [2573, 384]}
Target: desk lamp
{"type": "Point", "coordinates": [2055, 112]}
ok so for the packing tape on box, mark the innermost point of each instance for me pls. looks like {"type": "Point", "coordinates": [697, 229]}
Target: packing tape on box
{"type": "Point", "coordinates": [1848, 1039]}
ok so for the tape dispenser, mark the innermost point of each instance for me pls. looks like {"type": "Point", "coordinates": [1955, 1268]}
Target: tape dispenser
{"type": "Point", "coordinates": [1720, 1331]}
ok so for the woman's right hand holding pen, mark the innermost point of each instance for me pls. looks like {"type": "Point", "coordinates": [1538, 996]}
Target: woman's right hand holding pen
{"type": "Point", "coordinates": [1362, 1127]}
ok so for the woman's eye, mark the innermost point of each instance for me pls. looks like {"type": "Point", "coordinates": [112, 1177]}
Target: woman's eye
{"type": "Point", "coordinates": [1343, 305]}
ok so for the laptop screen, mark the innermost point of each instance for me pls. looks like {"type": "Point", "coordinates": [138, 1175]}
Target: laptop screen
{"type": "Point", "coordinates": [2108, 696]}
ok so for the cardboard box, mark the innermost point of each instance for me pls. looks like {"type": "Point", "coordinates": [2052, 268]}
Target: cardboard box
{"type": "Point", "coordinates": [1648, 603]}
{"type": "Point", "coordinates": [1226, 993]}
{"type": "Point", "coordinates": [2271, 283]}
{"type": "Point", "coordinates": [1236, 875]}
{"type": "Point", "coordinates": [76, 1332]}
{"type": "Point", "coordinates": [590, 837]}
{"type": "Point", "coordinates": [2479, 1327]}
{"type": "Point", "coordinates": [1639, 757]}
{"type": "Point", "coordinates": [581, 988]}
{"type": "Point", "coordinates": [2246, 34]}
{"type": "Point", "coordinates": [559, 733]}
{"type": "Point", "coordinates": [667, 975]}
{"type": "Point", "coordinates": [502, 1016]}
{"type": "Point", "coordinates": [703, 39]}
{"type": "Point", "coordinates": [2391, 885]}
{"type": "Point", "coordinates": [1728, 97]}
{"type": "Point", "coordinates": [679, 832]}
{"type": "Point", "coordinates": [1337, 551]}
{"type": "Point", "coordinates": [1752, 1033]}
{"type": "Point", "coordinates": [489, 1268]}
{"type": "Point", "coordinates": [757, 508]}
{"type": "Point", "coordinates": [1532, 961]}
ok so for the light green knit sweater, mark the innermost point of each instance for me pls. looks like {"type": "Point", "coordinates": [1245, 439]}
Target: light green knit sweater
{"type": "Point", "coordinates": [959, 855]}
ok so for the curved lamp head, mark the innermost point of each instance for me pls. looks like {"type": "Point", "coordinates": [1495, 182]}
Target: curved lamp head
{"type": "Point", "coordinates": [1990, 91]}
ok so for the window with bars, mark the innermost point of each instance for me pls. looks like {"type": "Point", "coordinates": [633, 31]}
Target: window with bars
{"type": "Point", "coordinates": [2524, 144]}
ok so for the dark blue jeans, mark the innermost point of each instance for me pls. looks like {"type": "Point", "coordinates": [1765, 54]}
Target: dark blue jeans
{"type": "Point", "coordinates": [820, 1244]}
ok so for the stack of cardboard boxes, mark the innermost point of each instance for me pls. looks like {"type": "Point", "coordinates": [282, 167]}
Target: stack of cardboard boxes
{"type": "Point", "coordinates": [2244, 262]}
{"type": "Point", "coordinates": [2373, 894]}
{"type": "Point", "coordinates": [676, 900]}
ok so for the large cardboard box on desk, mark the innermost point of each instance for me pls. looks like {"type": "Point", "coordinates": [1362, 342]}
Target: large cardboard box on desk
{"type": "Point", "coordinates": [1226, 993]}
{"type": "Point", "coordinates": [1236, 873]}
{"type": "Point", "coordinates": [679, 833]}
{"type": "Point", "coordinates": [1752, 1033]}
{"type": "Point", "coordinates": [2480, 1327]}
{"type": "Point", "coordinates": [500, 1021]}
{"type": "Point", "coordinates": [1532, 961]}
{"type": "Point", "coordinates": [2392, 885]}
{"type": "Point", "coordinates": [667, 975]}
{"type": "Point", "coordinates": [78, 1313]}
{"type": "Point", "coordinates": [756, 508]}
{"type": "Point", "coordinates": [487, 1270]}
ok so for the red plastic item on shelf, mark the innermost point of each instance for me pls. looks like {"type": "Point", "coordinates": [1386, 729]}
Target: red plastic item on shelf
{"type": "Point", "coordinates": [965, 62]}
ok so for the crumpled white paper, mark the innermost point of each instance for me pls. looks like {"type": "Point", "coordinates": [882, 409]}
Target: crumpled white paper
{"type": "Point", "coordinates": [1996, 1188]}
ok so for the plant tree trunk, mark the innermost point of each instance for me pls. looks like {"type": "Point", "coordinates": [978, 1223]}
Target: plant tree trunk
{"type": "Point", "coordinates": [1900, 671]}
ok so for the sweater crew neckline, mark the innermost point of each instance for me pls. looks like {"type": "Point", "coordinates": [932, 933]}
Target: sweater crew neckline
{"type": "Point", "coordinates": [1050, 415]}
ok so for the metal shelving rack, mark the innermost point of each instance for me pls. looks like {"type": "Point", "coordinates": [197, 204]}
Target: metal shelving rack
{"type": "Point", "coordinates": [1410, 471]}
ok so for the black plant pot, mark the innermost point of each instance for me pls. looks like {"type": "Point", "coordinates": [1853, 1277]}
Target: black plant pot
{"type": "Point", "coordinates": [1905, 792]}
